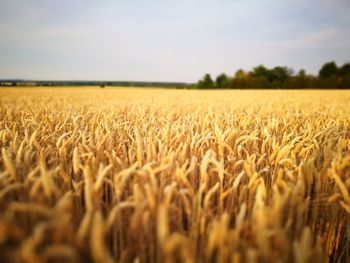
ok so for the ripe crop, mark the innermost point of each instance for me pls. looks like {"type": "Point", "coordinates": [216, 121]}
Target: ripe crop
{"type": "Point", "coordinates": [152, 175]}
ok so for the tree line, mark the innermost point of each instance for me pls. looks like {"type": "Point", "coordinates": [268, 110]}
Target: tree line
{"type": "Point", "coordinates": [330, 76]}
{"type": "Point", "coordinates": [102, 84]}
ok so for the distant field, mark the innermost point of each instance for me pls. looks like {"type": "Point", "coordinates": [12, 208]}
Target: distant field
{"type": "Point", "coordinates": [156, 175]}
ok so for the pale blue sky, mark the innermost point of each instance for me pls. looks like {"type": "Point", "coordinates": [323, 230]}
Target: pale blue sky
{"type": "Point", "coordinates": [161, 40]}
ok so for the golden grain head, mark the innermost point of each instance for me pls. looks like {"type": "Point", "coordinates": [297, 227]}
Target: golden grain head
{"type": "Point", "coordinates": [145, 175]}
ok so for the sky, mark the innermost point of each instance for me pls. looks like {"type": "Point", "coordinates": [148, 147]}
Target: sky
{"type": "Point", "coordinates": [163, 40]}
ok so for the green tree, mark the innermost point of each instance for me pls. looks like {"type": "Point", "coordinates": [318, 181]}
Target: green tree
{"type": "Point", "coordinates": [278, 75]}
{"type": "Point", "coordinates": [259, 78]}
{"type": "Point", "coordinates": [302, 73]}
{"type": "Point", "coordinates": [344, 70]}
{"type": "Point", "coordinates": [344, 76]}
{"type": "Point", "coordinates": [240, 74]}
{"type": "Point", "coordinates": [328, 70]}
{"type": "Point", "coordinates": [260, 71]}
{"type": "Point", "coordinates": [300, 81]}
{"type": "Point", "coordinates": [222, 81]}
{"type": "Point", "coordinates": [206, 82]}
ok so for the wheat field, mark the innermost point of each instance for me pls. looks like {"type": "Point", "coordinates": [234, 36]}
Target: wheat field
{"type": "Point", "coordinates": [153, 175]}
